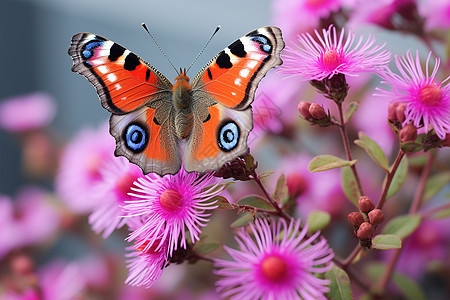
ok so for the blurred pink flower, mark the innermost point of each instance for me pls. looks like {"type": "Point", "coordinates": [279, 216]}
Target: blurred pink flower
{"type": "Point", "coordinates": [373, 12]}
{"type": "Point", "coordinates": [331, 54]}
{"type": "Point", "coordinates": [79, 168]}
{"type": "Point", "coordinates": [18, 219]}
{"type": "Point", "coordinates": [436, 13]}
{"type": "Point", "coordinates": [300, 16]}
{"type": "Point", "coordinates": [428, 101]}
{"type": "Point", "coordinates": [118, 176]}
{"type": "Point", "coordinates": [312, 191]}
{"type": "Point", "coordinates": [275, 262]}
{"type": "Point", "coordinates": [27, 112]}
{"type": "Point", "coordinates": [428, 244]}
{"type": "Point", "coordinates": [168, 205]}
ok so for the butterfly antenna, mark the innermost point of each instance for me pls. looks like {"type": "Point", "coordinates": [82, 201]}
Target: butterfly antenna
{"type": "Point", "coordinates": [160, 49]}
{"type": "Point", "coordinates": [206, 45]}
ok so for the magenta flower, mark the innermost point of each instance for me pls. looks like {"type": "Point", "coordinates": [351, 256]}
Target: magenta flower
{"type": "Point", "coordinates": [146, 264]}
{"type": "Point", "coordinates": [168, 205]}
{"type": "Point", "coordinates": [276, 263]}
{"type": "Point", "coordinates": [27, 112]}
{"type": "Point", "coordinates": [427, 100]}
{"type": "Point", "coordinates": [80, 165]}
{"type": "Point", "coordinates": [118, 176]}
{"type": "Point", "coordinates": [333, 54]}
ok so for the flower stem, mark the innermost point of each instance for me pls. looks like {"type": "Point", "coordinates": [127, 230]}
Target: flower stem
{"type": "Point", "coordinates": [413, 210]}
{"type": "Point", "coordinates": [351, 257]}
{"type": "Point", "coordinates": [344, 135]}
{"type": "Point", "coordinates": [272, 202]}
{"type": "Point", "coordinates": [389, 178]}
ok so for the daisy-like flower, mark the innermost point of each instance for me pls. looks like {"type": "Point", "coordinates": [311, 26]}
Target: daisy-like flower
{"type": "Point", "coordinates": [427, 100]}
{"type": "Point", "coordinates": [276, 263]}
{"type": "Point", "coordinates": [170, 204]}
{"type": "Point", "coordinates": [333, 54]}
{"type": "Point", "coordinates": [118, 176]}
{"type": "Point", "coordinates": [145, 264]}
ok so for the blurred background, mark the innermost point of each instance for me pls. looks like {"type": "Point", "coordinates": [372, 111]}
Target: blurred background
{"type": "Point", "coordinates": [35, 36]}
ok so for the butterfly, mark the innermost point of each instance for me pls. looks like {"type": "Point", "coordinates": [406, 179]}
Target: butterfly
{"type": "Point", "coordinates": [161, 126]}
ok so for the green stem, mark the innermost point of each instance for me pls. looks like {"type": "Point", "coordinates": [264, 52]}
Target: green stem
{"type": "Point", "coordinates": [344, 135]}
{"type": "Point", "coordinates": [413, 210]}
{"type": "Point", "coordinates": [389, 178]}
{"type": "Point", "coordinates": [272, 202]}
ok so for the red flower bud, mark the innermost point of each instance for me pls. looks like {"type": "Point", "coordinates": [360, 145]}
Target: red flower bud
{"type": "Point", "coordinates": [400, 112]}
{"type": "Point", "coordinates": [408, 133]}
{"type": "Point", "coordinates": [446, 142]}
{"type": "Point", "coordinates": [392, 111]}
{"type": "Point", "coordinates": [365, 232]}
{"type": "Point", "coordinates": [317, 111]}
{"type": "Point", "coordinates": [365, 204]}
{"type": "Point", "coordinates": [296, 184]}
{"type": "Point", "coordinates": [376, 216]}
{"type": "Point", "coordinates": [303, 108]}
{"type": "Point", "coordinates": [355, 218]}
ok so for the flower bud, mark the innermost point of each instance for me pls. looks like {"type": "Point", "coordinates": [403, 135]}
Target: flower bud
{"type": "Point", "coordinates": [446, 142]}
{"type": "Point", "coordinates": [355, 218]}
{"type": "Point", "coordinates": [317, 111]}
{"type": "Point", "coordinates": [365, 232]}
{"type": "Point", "coordinates": [303, 108]}
{"type": "Point", "coordinates": [408, 133]}
{"type": "Point", "coordinates": [376, 217]}
{"type": "Point", "coordinates": [22, 264]}
{"type": "Point", "coordinates": [392, 113]}
{"type": "Point", "coordinates": [400, 112]}
{"type": "Point", "coordinates": [365, 204]}
{"type": "Point", "coordinates": [296, 184]}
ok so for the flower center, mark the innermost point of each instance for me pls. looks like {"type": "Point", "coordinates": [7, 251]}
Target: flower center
{"type": "Point", "coordinates": [171, 200]}
{"type": "Point", "coordinates": [125, 183]}
{"type": "Point", "coordinates": [315, 3]}
{"type": "Point", "coordinates": [151, 249]}
{"type": "Point", "coordinates": [331, 59]}
{"type": "Point", "coordinates": [430, 95]}
{"type": "Point", "coordinates": [274, 268]}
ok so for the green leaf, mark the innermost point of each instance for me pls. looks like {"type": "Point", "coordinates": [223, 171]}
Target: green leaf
{"type": "Point", "coordinates": [222, 202]}
{"type": "Point", "coordinates": [339, 284]}
{"type": "Point", "coordinates": [407, 286]}
{"type": "Point", "coordinates": [386, 241]}
{"type": "Point", "coordinates": [349, 185]}
{"type": "Point", "coordinates": [402, 226]}
{"type": "Point", "coordinates": [435, 184]}
{"type": "Point", "coordinates": [375, 152]}
{"type": "Point", "coordinates": [442, 214]}
{"type": "Point", "coordinates": [318, 220]}
{"type": "Point", "coordinates": [411, 146]}
{"type": "Point", "coordinates": [417, 160]}
{"type": "Point", "coordinates": [206, 247]}
{"type": "Point", "coordinates": [266, 174]}
{"type": "Point", "coordinates": [350, 110]}
{"type": "Point", "coordinates": [244, 220]}
{"type": "Point", "coordinates": [281, 193]}
{"type": "Point", "coordinates": [399, 178]}
{"type": "Point", "coordinates": [327, 162]}
{"type": "Point", "coordinates": [256, 202]}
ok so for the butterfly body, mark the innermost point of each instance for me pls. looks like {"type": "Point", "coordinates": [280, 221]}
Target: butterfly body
{"type": "Point", "coordinates": [160, 126]}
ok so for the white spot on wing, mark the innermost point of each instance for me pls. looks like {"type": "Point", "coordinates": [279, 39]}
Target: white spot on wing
{"type": "Point", "coordinates": [103, 69]}
{"type": "Point", "coordinates": [111, 77]}
{"type": "Point", "coordinates": [252, 64]}
{"type": "Point", "coordinates": [118, 86]}
{"type": "Point", "coordinates": [244, 73]}
{"type": "Point", "coordinates": [237, 81]}
{"type": "Point", "coordinates": [233, 93]}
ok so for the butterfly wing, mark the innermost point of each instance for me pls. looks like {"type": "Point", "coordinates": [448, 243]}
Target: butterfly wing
{"type": "Point", "coordinates": [138, 96]}
{"type": "Point", "coordinates": [222, 93]}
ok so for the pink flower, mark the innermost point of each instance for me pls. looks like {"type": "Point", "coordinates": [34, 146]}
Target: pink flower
{"type": "Point", "coordinates": [428, 101]}
{"type": "Point", "coordinates": [168, 205]}
{"type": "Point", "coordinates": [118, 176]}
{"type": "Point", "coordinates": [298, 16]}
{"type": "Point", "coordinates": [18, 219]}
{"type": "Point", "coordinates": [277, 262]}
{"type": "Point", "coordinates": [333, 54]}
{"type": "Point", "coordinates": [27, 112]}
{"type": "Point", "coordinates": [146, 264]}
{"type": "Point", "coordinates": [436, 13]}
{"type": "Point", "coordinates": [80, 165]}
